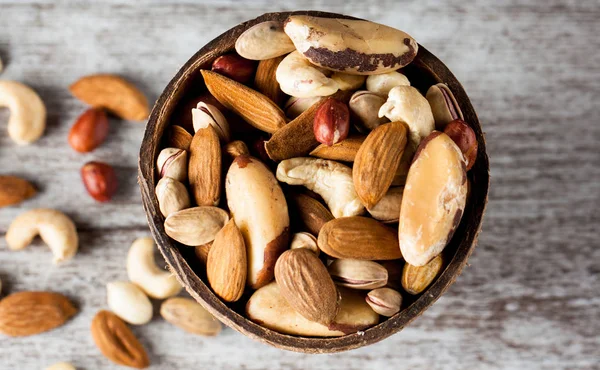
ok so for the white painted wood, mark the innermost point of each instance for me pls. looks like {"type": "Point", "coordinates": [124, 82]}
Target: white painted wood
{"type": "Point", "coordinates": [529, 299]}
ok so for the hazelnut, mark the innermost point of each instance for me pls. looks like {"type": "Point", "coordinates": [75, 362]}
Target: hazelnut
{"type": "Point", "coordinates": [89, 131]}
{"type": "Point", "coordinates": [332, 122]}
{"type": "Point", "coordinates": [465, 139]}
{"type": "Point", "coordinates": [235, 67]}
{"type": "Point", "coordinates": [99, 180]}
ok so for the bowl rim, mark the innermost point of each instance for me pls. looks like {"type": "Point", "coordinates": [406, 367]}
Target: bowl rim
{"type": "Point", "coordinates": [203, 294]}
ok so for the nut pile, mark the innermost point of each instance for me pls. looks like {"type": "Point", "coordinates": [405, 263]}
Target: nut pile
{"type": "Point", "coordinates": [349, 195]}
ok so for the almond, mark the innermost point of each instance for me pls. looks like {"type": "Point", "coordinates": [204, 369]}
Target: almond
{"type": "Point", "coordinates": [343, 151]}
{"type": "Point", "coordinates": [307, 286]}
{"type": "Point", "coordinates": [312, 213]}
{"type": "Point", "coordinates": [204, 169]}
{"type": "Point", "coordinates": [226, 267]}
{"type": "Point", "coordinates": [377, 160]}
{"type": "Point", "coordinates": [178, 137]}
{"type": "Point", "coordinates": [265, 81]}
{"type": "Point", "coordinates": [116, 341]}
{"type": "Point", "coordinates": [112, 92]}
{"type": "Point", "coordinates": [30, 313]}
{"type": "Point", "coordinates": [297, 138]}
{"type": "Point", "coordinates": [14, 190]}
{"type": "Point", "coordinates": [252, 106]}
{"type": "Point", "coordinates": [415, 279]}
{"type": "Point", "coordinates": [201, 251]}
{"type": "Point", "coordinates": [359, 238]}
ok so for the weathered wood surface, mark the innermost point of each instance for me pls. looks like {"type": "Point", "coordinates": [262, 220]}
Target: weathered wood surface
{"type": "Point", "coordinates": [529, 300]}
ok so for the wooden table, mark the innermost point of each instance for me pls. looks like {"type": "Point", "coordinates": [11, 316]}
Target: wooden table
{"type": "Point", "coordinates": [529, 299]}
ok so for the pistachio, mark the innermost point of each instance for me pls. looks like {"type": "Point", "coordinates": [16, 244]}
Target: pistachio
{"type": "Point", "coordinates": [197, 225]}
{"type": "Point", "coordinates": [172, 162]}
{"type": "Point", "coordinates": [387, 210]}
{"type": "Point", "coordinates": [205, 114]}
{"type": "Point", "coordinates": [443, 105]}
{"type": "Point", "coordinates": [415, 279]}
{"type": "Point", "coordinates": [172, 196]}
{"type": "Point", "coordinates": [305, 240]}
{"type": "Point", "coordinates": [358, 274]}
{"type": "Point", "coordinates": [347, 81]}
{"type": "Point", "coordinates": [265, 40]}
{"type": "Point", "coordinates": [296, 106]}
{"type": "Point", "coordinates": [384, 301]}
{"type": "Point", "coordinates": [364, 106]}
{"type": "Point", "coordinates": [383, 83]}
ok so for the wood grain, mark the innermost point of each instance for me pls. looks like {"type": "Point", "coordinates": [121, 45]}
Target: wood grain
{"type": "Point", "coordinates": [529, 298]}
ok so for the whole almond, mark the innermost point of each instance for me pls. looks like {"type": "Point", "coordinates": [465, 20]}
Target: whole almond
{"type": "Point", "coordinates": [377, 160]}
{"type": "Point", "coordinates": [309, 213]}
{"type": "Point", "coordinates": [30, 313]}
{"type": "Point", "coordinates": [112, 92]}
{"type": "Point", "coordinates": [265, 81]}
{"type": "Point", "coordinates": [252, 106]}
{"type": "Point", "coordinates": [204, 168]}
{"type": "Point", "coordinates": [415, 279]}
{"type": "Point", "coordinates": [178, 137]}
{"type": "Point", "coordinates": [226, 267]}
{"type": "Point", "coordinates": [116, 341]}
{"type": "Point", "coordinates": [307, 286]}
{"type": "Point", "coordinates": [89, 131]}
{"type": "Point", "coordinates": [359, 238]}
{"type": "Point", "coordinates": [343, 151]}
{"type": "Point", "coordinates": [190, 316]}
{"type": "Point", "coordinates": [14, 190]}
{"type": "Point", "coordinates": [100, 180]}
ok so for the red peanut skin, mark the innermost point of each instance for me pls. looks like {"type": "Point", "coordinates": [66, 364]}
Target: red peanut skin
{"type": "Point", "coordinates": [465, 139]}
{"type": "Point", "coordinates": [235, 67]}
{"type": "Point", "coordinates": [331, 117]}
{"type": "Point", "coordinates": [89, 131]}
{"type": "Point", "coordinates": [100, 180]}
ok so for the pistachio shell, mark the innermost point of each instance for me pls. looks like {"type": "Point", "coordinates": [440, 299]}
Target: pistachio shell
{"type": "Point", "coordinates": [443, 105]}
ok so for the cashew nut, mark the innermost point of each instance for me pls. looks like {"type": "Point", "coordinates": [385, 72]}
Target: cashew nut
{"type": "Point", "coordinates": [27, 112]}
{"type": "Point", "coordinates": [129, 302]}
{"type": "Point", "coordinates": [55, 228]}
{"type": "Point", "coordinates": [298, 77]}
{"type": "Point", "coordinates": [143, 271]}
{"type": "Point", "coordinates": [329, 179]}
{"type": "Point", "coordinates": [347, 81]}
{"type": "Point", "coordinates": [383, 83]}
{"type": "Point", "coordinates": [61, 366]}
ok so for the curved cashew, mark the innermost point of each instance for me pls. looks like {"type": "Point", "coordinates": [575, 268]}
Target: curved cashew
{"type": "Point", "coordinates": [54, 227]}
{"type": "Point", "coordinates": [27, 112]}
{"type": "Point", "coordinates": [298, 77]}
{"type": "Point", "coordinates": [406, 104]}
{"type": "Point", "coordinates": [329, 179]}
{"type": "Point", "coordinates": [143, 271]}
{"type": "Point", "coordinates": [129, 302]}
{"type": "Point", "coordinates": [383, 83]}
{"type": "Point", "coordinates": [347, 81]}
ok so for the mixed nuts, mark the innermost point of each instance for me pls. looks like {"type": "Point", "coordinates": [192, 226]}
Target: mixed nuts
{"type": "Point", "coordinates": [342, 200]}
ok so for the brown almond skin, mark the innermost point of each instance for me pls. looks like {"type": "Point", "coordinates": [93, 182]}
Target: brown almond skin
{"type": "Point", "coordinates": [340, 237]}
{"type": "Point", "coordinates": [204, 169]}
{"type": "Point", "coordinates": [344, 151]}
{"type": "Point", "coordinates": [178, 137]}
{"type": "Point", "coordinates": [201, 251]}
{"type": "Point", "coordinates": [377, 160]}
{"type": "Point", "coordinates": [297, 138]}
{"type": "Point", "coordinates": [100, 180]}
{"type": "Point", "coordinates": [332, 122]}
{"type": "Point", "coordinates": [415, 279]}
{"type": "Point", "coordinates": [227, 266]}
{"type": "Point", "coordinates": [255, 108]}
{"type": "Point", "coordinates": [307, 286]}
{"type": "Point", "coordinates": [309, 212]}
{"type": "Point", "coordinates": [89, 131]}
{"type": "Point", "coordinates": [31, 313]}
{"type": "Point", "coordinates": [116, 341]}
{"type": "Point", "coordinates": [14, 190]}
{"type": "Point", "coordinates": [235, 67]}
{"type": "Point", "coordinates": [465, 138]}
{"type": "Point", "coordinates": [265, 81]}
